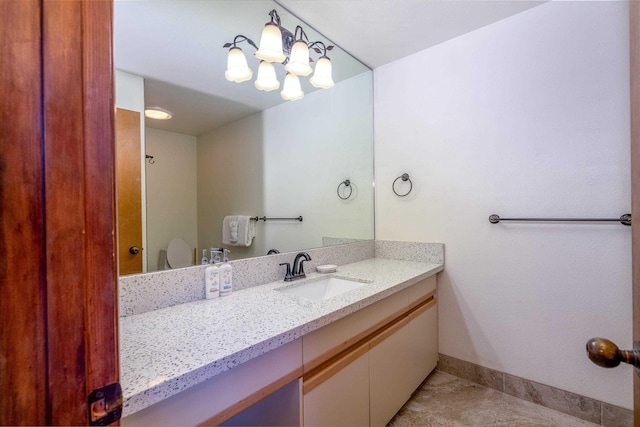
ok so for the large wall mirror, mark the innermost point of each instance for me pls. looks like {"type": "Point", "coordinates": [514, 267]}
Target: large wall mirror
{"type": "Point", "coordinates": [230, 149]}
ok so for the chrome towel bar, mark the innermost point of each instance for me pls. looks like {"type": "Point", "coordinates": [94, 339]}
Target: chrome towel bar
{"type": "Point", "coordinates": [264, 218]}
{"type": "Point", "coordinates": [624, 219]}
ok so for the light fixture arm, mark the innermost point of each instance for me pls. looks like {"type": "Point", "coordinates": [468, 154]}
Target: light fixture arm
{"type": "Point", "coordinates": [275, 18]}
{"type": "Point", "coordinates": [239, 39]}
{"type": "Point", "coordinates": [300, 35]}
{"type": "Point", "coordinates": [324, 50]}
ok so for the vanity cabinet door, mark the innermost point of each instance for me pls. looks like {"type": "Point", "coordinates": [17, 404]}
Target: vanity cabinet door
{"type": "Point", "coordinates": [390, 379]}
{"type": "Point", "coordinates": [339, 398]}
{"type": "Point", "coordinates": [423, 330]}
{"type": "Point", "coordinates": [399, 360]}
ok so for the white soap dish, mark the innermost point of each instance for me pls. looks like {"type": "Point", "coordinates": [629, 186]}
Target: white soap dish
{"type": "Point", "coordinates": [327, 268]}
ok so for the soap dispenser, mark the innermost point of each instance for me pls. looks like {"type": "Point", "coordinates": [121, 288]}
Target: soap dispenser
{"type": "Point", "coordinates": [215, 255]}
{"type": "Point", "coordinates": [226, 274]}
{"type": "Point", "coordinates": [212, 281]}
{"type": "Point", "coordinates": [204, 257]}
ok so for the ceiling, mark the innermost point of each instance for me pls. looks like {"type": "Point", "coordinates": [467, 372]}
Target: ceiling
{"type": "Point", "coordinates": [176, 45]}
{"type": "Point", "coordinates": [381, 31]}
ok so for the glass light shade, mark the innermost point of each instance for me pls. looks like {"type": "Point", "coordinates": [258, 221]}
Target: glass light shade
{"type": "Point", "coordinates": [291, 90]}
{"type": "Point", "coordinates": [299, 60]}
{"type": "Point", "coordinates": [237, 69]}
{"type": "Point", "coordinates": [266, 79]}
{"type": "Point", "coordinates": [157, 113]}
{"type": "Point", "coordinates": [270, 49]}
{"type": "Point", "coordinates": [322, 76]}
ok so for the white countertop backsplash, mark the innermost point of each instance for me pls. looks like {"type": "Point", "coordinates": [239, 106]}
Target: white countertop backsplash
{"type": "Point", "coordinates": [140, 293]}
{"type": "Point", "coordinates": [165, 351]}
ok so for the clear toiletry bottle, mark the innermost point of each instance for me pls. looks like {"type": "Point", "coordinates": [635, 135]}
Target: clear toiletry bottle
{"type": "Point", "coordinates": [212, 282]}
{"type": "Point", "coordinates": [226, 275]}
{"type": "Point", "coordinates": [204, 257]}
{"type": "Point", "coordinates": [215, 255]}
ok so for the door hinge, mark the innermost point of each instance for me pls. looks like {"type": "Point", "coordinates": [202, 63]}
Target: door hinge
{"type": "Point", "coordinates": [105, 405]}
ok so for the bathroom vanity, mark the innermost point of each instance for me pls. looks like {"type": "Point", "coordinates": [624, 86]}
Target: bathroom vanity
{"type": "Point", "coordinates": [263, 356]}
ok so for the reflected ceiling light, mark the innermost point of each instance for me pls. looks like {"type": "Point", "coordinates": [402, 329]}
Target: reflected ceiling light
{"type": "Point", "coordinates": [291, 90]}
{"type": "Point", "coordinates": [237, 69]}
{"type": "Point", "coordinates": [298, 63]}
{"type": "Point", "coordinates": [266, 79]}
{"type": "Point", "coordinates": [157, 113]}
{"type": "Point", "coordinates": [279, 45]}
{"type": "Point", "coordinates": [271, 44]}
{"type": "Point", "coordinates": [322, 76]}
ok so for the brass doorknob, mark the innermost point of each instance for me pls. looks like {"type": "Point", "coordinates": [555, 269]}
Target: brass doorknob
{"type": "Point", "coordinates": [604, 353]}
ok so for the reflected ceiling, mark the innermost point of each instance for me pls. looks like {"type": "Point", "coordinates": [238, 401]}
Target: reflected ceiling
{"type": "Point", "coordinates": [179, 44]}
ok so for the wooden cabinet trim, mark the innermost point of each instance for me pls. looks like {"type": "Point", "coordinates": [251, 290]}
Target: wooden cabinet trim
{"type": "Point", "coordinates": [375, 328]}
{"type": "Point", "coordinates": [421, 309]}
{"type": "Point", "coordinates": [252, 399]}
{"type": "Point", "coordinates": [333, 366]}
{"type": "Point", "coordinates": [331, 362]}
{"type": "Point", "coordinates": [388, 331]}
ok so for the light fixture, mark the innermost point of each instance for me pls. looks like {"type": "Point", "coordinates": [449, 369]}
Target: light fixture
{"type": "Point", "coordinates": [322, 75]}
{"type": "Point", "coordinates": [298, 63]}
{"type": "Point", "coordinates": [157, 113]}
{"type": "Point", "coordinates": [237, 69]}
{"type": "Point", "coordinates": [291, 90]}
{"type": "Point", "coordinates": [266, 79]}
{"type": "Point", "coordinates": [270, 49]}
{"type": "Point", "coordinates": [279, 45]}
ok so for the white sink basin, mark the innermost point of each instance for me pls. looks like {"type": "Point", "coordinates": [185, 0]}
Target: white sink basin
{"type": "Point", "coordinates": [322, 289]}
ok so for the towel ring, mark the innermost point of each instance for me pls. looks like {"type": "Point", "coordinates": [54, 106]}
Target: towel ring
{"type": "Point", "coordinates": [347, 184]}
{"type": "Point", "coordinates": [404, 177]}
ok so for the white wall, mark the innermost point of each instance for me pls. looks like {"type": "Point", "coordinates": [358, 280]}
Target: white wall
{"type": "Point", "coordinates": [271, 159]}
{"type": "Point", "coordinates": [172, 205]}
{"type": "Point", "coordinates": [333, 130]}
{"type": "Point", "coordinates": [525, 117]}
{"type": "Point", "coordinates": [230, 181]}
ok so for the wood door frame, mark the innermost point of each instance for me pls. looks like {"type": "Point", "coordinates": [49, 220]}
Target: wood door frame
{"type": "Point", "coordinates": [634, 65]}
{"type": "Point", "coordinates": [57, 186]}
{"type": "Point", "coordinates": [48, 256]}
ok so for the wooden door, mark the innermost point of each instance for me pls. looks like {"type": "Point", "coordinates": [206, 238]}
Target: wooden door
{"type": "Point", "coordinates": [58, 277]}
{"type": "Point", "coordinates": [128, 180]}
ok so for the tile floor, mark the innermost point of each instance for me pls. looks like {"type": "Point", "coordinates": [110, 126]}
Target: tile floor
{"type": "Point", "coordinates": [445, 400]}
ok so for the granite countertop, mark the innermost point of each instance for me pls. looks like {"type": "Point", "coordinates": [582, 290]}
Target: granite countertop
{"type": "Point", "coordinates": [166, 351]}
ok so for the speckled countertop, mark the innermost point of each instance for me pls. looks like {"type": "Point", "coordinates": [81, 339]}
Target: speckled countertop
{"type": "Point", "coordinates": [166, 351]}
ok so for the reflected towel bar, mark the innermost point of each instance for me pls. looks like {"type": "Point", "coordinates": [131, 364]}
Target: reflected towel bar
{"type": "Point", "coordinates": [264, 218]}
{"type": "Point", "coordinates": [624, 219]}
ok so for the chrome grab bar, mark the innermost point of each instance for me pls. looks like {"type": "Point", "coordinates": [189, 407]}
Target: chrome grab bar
{"type": "Point", "coordinates": [624, 219]}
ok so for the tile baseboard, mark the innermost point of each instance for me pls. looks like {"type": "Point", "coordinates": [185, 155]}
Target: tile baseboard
{"type": "Point", "coordinates": [582, 407]}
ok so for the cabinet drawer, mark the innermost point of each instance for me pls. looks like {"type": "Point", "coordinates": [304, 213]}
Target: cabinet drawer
{"type": "Point", "coordinates": [328, 341]}
{"type": "Point", "coordinates": [421, 290]}
{"type": "Point", "coordinates": [341, 398]}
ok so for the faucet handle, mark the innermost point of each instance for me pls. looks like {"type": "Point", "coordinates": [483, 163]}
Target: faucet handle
{"type": "Point", "coordinates": [287, 276]}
